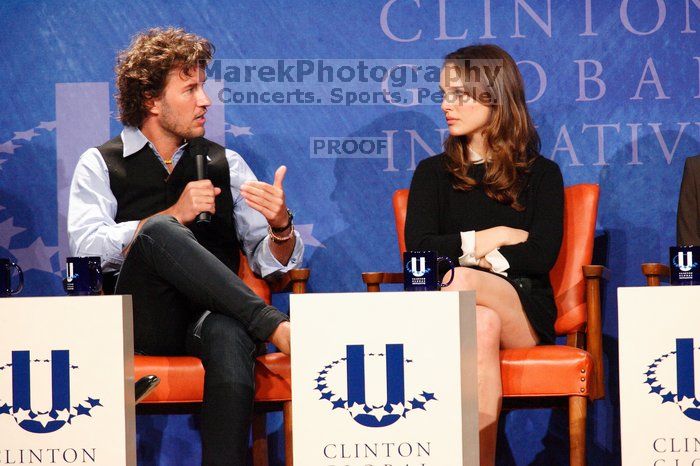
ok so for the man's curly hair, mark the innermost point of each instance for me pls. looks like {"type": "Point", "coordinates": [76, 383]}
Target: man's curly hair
{"type": "Point", "coordinates": [142, 68]}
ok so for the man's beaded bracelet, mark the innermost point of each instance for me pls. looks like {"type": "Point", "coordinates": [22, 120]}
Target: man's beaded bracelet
{"type": "Point", "coordinates": [281, 239]}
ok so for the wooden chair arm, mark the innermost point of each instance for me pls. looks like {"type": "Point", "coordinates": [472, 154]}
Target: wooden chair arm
{"type": "Point", "coordinates": [299, 278]}
{"type": "Point", "coordinates": [374, 280]}
{"type": "Point", "coordinates": [594, 328]}
{"type": "Point", "coordinates": [596, 271]}
{"type": "Point", "coordinates": [655, 273]}
{"type": "Point", "coordinates": [294, 280]}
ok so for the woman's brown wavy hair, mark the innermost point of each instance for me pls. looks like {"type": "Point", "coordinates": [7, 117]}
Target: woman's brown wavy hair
{"type": "Point", "coordinates": [510, 135]}
{"type": "Point", "coordinates": [143, 67]}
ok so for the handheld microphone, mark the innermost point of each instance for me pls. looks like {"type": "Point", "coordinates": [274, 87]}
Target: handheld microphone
{"type": "Point", "coordinates": [200, 149]}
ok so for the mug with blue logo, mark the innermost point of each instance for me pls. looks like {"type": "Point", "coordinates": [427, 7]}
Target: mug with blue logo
{"type": "Point", "coordinates": [420, 271]}
{"type": "Point", "coordinates": [684, 265]}
{"type": "Point", "coordinates": [6, 266]}
{"type": "Point", "coordinates": [83, 276]}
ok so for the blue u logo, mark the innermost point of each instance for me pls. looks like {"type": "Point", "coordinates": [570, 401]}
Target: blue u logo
{"type": "Point", "coordinates": [60, 390]}
{"type": "Point", "coordinates": [395, 392]}
{"type": "Point", "coordinates": [685, 374]}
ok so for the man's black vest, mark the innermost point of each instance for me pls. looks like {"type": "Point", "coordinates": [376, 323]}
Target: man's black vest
{"type": "Point", "coordinates": [143, 187]}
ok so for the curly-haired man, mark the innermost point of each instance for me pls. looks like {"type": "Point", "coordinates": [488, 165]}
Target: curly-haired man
{"type": "Point", "coordinates": [133, 201]}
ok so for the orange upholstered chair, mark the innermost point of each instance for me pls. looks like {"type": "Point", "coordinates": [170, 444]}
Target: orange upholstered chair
{"type": "Point", "coordinates": [182, 377]}
{"type": "Point", "coordinates": [552, 375]}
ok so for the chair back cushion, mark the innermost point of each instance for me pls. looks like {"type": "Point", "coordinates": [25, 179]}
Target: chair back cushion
{"type": "Point", "coordinates": [400, 201]}
{"type": "Point", "coordinates": [568, 283]}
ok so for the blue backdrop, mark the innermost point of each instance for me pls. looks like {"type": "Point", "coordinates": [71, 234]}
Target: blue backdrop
{"type": "Point", "coordinates": [614, 89]}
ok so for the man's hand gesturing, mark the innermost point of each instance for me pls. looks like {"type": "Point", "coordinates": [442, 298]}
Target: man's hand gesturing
{"type": "Point", "coordinates": [198, 196]}
{"type": "Point", "coordinates": [268, 199]}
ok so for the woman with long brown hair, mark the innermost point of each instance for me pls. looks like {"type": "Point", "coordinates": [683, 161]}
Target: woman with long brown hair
{"type": "Point", "coordinates": [494, 205]}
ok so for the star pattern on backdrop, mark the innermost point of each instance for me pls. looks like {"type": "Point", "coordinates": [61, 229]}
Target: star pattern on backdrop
{"type": "Point", "coordinates": [8, 147]}
{"type": "Point", "coordinates": [35, 256]}
{"type": "Point", "coordinates": [238, 130]}
{"type": "Point", "coordinates": [26, 135]}
{"type": "Point", "coordinates": [325, 392]}
{"type": "Point", "coordinates": [7, 231]}
{"type": "Point", "coordinates": [47, 125]}
{"type": "Point", "coordinates": [306, 233]}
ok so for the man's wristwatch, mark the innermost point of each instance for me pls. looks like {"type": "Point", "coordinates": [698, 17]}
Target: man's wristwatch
{"type": "Point", "coordinates": [290, 218]}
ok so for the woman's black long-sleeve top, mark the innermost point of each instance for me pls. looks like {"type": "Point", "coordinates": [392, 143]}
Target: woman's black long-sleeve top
{"type": "Point", "coordinates": [437, 213]}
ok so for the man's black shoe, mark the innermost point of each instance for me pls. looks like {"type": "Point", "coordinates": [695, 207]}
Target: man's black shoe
{"type": "Point", "coordinates": [144, 386]}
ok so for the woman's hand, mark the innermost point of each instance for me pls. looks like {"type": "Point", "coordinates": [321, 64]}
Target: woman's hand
{"type": "Point", "coordinates": [484, 264]}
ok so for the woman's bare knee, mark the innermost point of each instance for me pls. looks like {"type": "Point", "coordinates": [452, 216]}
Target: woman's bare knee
{"type": "Point", "coordinates": [488, 328]}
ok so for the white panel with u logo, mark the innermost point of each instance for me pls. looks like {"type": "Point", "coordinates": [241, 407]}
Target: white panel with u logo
{"type": "Point", "coordinates": [659, 331]}
{"type": "Point", "coordinates": [384, 378]}
{"type": "Point", "coordinates": [66, 381]}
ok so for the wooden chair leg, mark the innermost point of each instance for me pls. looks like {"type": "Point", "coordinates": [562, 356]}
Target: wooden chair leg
{"type": "Point", "coordinates": [260, 453]}
{"type": "Point", "coordinates": [577, 430]}
{"type": "Point", "coordinates": [287, 413]}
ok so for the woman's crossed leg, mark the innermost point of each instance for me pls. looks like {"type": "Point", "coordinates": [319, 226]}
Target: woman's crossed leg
{"type": "Point", "coordinates": [500, 323]}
